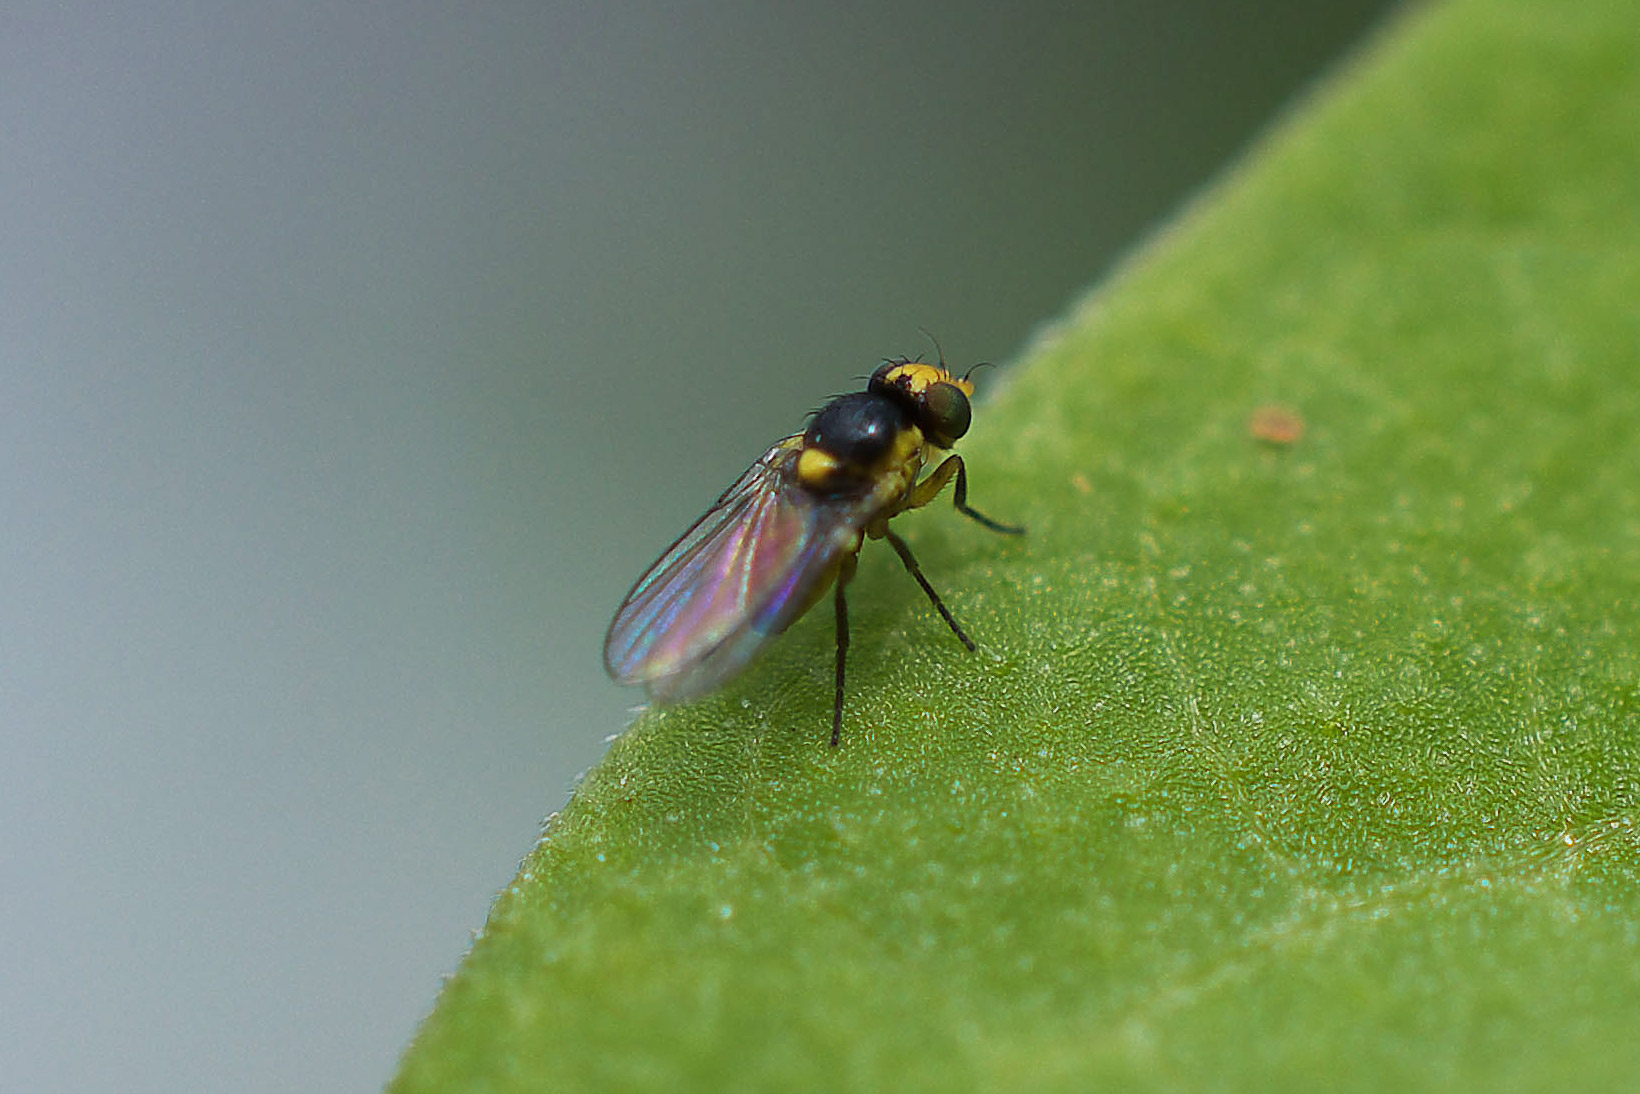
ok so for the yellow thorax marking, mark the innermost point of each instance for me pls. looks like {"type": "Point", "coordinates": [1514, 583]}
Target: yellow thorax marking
{"type": "Point", "coordinates": [815, 466]}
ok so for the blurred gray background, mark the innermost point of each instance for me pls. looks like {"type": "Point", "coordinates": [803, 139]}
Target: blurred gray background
{"type": "Point", "coordinates": [355, 358]}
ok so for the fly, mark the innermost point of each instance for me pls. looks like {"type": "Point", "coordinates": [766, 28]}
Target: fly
{"type": "Point", "coordinates": [791, 527]}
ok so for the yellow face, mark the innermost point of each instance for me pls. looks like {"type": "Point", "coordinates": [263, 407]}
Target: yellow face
{"type": "Point", "coordinates": [938, 401]}
{"type": "Point", "coordinates": [916, 377]}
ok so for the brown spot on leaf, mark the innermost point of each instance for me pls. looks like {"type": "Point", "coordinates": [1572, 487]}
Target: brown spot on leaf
{"type": "Point", "coordinates": [1276, 424]}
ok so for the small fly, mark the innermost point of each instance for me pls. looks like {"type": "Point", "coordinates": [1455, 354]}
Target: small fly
{"type": "Point", "coordinates": [791, 526]}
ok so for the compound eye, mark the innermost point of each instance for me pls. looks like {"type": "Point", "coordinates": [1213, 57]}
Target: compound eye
{"type": "Point", "coordinates": [946, 412]}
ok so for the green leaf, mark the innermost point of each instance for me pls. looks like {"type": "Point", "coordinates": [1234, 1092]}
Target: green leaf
{"type": "Point", "coordinates": [1285, 761]}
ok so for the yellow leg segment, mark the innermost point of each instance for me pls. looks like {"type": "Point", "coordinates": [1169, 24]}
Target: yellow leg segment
{"type": "Point", "coordinates": [927, 490]}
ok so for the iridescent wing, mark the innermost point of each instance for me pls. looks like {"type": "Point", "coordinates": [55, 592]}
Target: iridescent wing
{"type": "Point", "coordinates": [740, 576]}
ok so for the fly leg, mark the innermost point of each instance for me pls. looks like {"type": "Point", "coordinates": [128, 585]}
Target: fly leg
{"type": "Point", "coordinates": [840, 600]}
{"type": "Point", "coordinates": [925, 492]}
{"type": "Point", "coordinates": [910, 560]}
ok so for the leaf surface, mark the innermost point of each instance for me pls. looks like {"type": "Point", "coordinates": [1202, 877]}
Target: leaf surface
{"type": "Point", "coordinates": [1286, 759]}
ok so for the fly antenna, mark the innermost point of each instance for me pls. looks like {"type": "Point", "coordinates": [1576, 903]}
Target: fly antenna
{"type": "Point", "coordinates": [937, 350]}
{"type": "Point", "coordinates": [981, 364]}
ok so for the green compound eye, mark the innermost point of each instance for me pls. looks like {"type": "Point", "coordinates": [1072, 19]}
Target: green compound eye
{"type": "Point", "coordinates": [946, 413]}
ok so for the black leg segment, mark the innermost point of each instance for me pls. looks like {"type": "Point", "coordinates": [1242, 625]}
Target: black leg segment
{"type": "Point", "coordinates": [960, 498]}
{"type": "Point", "coordinates": [840, 600]}
{"type": "Point", "coordinates": [910, 561]}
